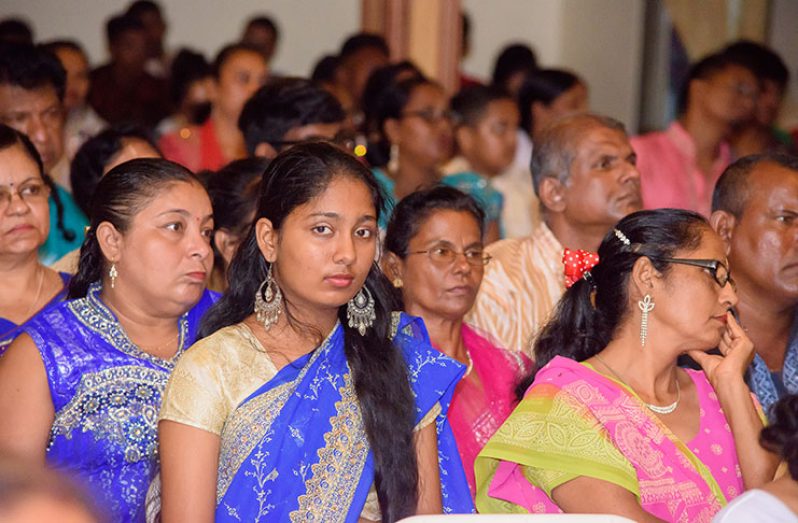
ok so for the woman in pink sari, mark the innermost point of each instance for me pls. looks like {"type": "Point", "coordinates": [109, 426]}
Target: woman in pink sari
{"type": "Point", "coordinates": [434, 255]}
{"type": "Point", "coordinates": [610, 423]}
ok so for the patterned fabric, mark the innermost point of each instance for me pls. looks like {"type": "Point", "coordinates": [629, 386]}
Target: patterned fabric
{"type": "Point", "coordinates": [760, 379]}
{"type": "Point", "coordinates": [106, 394]}
{"type": "Point", "coordinates": [669, 174]}
{"type": "Point", "coordinates": [577, 263]}
{"type": "Point", "coordinates": [480, 407]}
{"type": "Point", "coordinates": [575, 422]}
{"type": "Point", "coordinates": [10, 330]}
{"type": "Point", "coordinates": [520, 289]}
{"type": "Point", "coordinates": [296, 448]}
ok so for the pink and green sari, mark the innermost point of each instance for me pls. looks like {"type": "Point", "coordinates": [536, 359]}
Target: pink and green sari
{"type": "Point", "coordinates": [574, 422]}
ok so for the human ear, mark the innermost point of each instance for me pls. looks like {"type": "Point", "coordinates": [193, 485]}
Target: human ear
{"type": "Point", "coordinates": [265, 150]}
{"type": "Point", "coordinates": [392, 266]}
{"type": "Point", "coordinates": [723, 223]}
{"type": "Point", "coordinates": [110, 240]}
{"type": "Point", "coordinates": [391, 128]}
{"type": "Point", "coordinates": [644, 279]}
{"type": "Point", "coordinates": [267, 238]}
{"type": "Point", "coordinates": [552, 194]}
{"type": "Point", "coordinates": [226, 243]}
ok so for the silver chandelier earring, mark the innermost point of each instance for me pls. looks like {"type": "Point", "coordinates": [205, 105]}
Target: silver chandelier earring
{"type": "Point", "coordinates": [646, 305]}
{"type": "Point", "coordinates": [113, 274]}
{"type": "Point", "coordinates": [360, 311]}
{"type": "Point", "coordinates": [268, 301]}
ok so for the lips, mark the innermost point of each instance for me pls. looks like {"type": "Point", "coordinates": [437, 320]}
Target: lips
{"type": "Point", "coordinates": [198, 276]}
{"type": "Point", "coordinates": [340, 280]}
{"type": "Point", "coordinates": [460, 290]}
{"type": "Point", "coordinates": [20, 229]}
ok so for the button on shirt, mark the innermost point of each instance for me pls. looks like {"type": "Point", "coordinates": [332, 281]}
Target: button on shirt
{"type": "Point", "coordinates": [669, 174]}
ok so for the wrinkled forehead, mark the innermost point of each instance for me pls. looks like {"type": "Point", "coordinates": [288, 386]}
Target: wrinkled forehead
{"type": "Point", "coordinates": [17, 99]}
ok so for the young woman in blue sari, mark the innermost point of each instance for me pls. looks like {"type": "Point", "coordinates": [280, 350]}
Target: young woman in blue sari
{"type": "Point", "coordinates": [26, 286]}
{"type": "Point", "coordinates": [310, 399]}
{"type": "Point", "coordinates": [81, 387]}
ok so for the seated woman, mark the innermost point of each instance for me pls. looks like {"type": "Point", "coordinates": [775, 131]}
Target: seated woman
{"type": "Point", "coordinates": [26, 286]}
{"type": "Point", "coordinates": [234, 193]}
{"type": "Point", "coordinates": [428, 232]}
{"type": "Point", "coordinates": [238, 71]}
{"type": "Point", "coordinates": [610, 423]}
{"type": "Point", "coordinates": [777, 501]}
{"type": "Point", "coordinates": [81, 387]}
{"type": "Point", "coordinates": [297, 405]}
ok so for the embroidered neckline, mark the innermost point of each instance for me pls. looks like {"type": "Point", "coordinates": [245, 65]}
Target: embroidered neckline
{"type": "Point", "coordinates": [95, 315]}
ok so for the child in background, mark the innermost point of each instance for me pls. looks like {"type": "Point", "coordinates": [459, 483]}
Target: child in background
{"type": "Point", "coordinates": [486, 122]}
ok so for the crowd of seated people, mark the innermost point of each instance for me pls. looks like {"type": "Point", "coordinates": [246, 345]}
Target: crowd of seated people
{"type": "Point", "coordinates": [233, 295]}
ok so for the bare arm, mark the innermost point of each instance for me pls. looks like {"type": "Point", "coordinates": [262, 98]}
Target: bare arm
{"type": "Point", "coordinates": [429, 481]}
{"type": "Point", "coordinates": [26, 407]}
{"type": "Point", "coordinates": [584, 495]}
{"type": "Point", "coordinates": [725, 373]}
{"type": "Point", "coordinates": [189, 461]}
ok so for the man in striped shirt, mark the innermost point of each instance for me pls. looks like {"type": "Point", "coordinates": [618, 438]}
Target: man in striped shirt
{"type": "Point", "coordinates": [583, 170]}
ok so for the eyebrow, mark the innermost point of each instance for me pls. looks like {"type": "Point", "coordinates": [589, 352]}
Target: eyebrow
{"type": "Point", "coordinates": [336, 216]}
{"type": "Point", "coordinates": [185, 213]}
{"type": "Point", "coordinates": [26, 180]}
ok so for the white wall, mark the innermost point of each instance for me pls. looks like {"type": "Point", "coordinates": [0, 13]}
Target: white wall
{"type": "Point", "coordinates": [601, 40]}
{"type": "Point", "coordinates": [309, 28]}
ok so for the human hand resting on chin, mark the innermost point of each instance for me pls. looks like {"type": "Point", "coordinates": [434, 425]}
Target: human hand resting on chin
{"type": "Point", "coordinates": [737, 351]}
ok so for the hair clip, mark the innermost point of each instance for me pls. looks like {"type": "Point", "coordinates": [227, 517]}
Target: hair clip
{"type": "Point", "coordinates": [622, 237]}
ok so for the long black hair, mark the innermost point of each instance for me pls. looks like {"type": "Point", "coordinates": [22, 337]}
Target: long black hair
{"type": "Point", "coordinates": [544, 86]}
{"type": "Point", "coordinates": [119, 196]}
{"type": "Point", "coordinates": [781, 436]}
{"type": "Point", "coordinates": [294, 177]}
{"type": "Point", "coordinates": [579, 329]}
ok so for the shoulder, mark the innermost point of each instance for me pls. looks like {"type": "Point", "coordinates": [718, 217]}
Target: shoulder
{"type": "Point", "coordinates": [755, 505]}
{"type": "Point", "coordinates": [216, 348]}
{"type": "Point", "coordinates": [508, 249]}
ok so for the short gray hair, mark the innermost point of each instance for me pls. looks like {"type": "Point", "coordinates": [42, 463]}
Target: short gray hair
{"type": "Point", "coordinates": [557, 147]}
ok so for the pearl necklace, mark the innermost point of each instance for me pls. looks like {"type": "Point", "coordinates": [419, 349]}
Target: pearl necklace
{"type": "Point", "coordinates": [665, 409]}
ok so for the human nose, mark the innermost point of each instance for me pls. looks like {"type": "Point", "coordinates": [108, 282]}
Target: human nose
{"type": "Point", "coordinates": [728, 295]}
{"type": "Point", "coordinates": [345, 250]}
{"type": "Point", "coordinates": [37, 130]}
{"type": "Point", "coordinates": [13, 203]}
{"type": "Point", "coordinates": [460, 263]}
{"type": "Point", "coordinates": [200, 246]}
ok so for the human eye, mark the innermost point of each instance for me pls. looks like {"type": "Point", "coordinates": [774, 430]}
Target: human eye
{"type": "Point", "coordinates": [605, 162]}
{"type": "Point", "coordinates": [365, 232]}
{"type": "Point", "coordinates": [31, 190]}
{"type": "Point", "coordinates": [786, 218]}
{"type": "Point", "coordinates": [207, 233]}
{"type": "Point", "coordinates": [441, 253]}
{"type": "Point", "coordinates": [474, 254]}
{"type": "Point", "coordinates": [174, 226]}
{"type": "Point", "coordinates": [322, 230]}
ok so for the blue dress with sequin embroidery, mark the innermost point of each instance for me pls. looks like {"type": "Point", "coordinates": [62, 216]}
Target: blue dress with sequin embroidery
{"type": "Point", "coordinates": [106, 394]}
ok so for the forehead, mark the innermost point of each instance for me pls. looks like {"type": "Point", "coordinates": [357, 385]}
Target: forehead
{"type": "Point", "coordinates": [426, 94]}
{"type": "Point", "coordinates": [243, 59]}
{"type": "Point", "coordinates": [503, 108]}
{"type": "Point", "coordinates": [72, 57]}
{"type": "Point", "coordinates": [448, 224]}
{"type": "Point", "coordinates": [711, 247]}
{"type": "Point", "coordinates": [593, 138]}
{"type": "Point", "coordinates": [734, 72]}
{"type": "Point", "coordinates": [187, 196]}
{"type": "Point", "coordinates": [771, 185]}
{"type": "Point", "coordinates": [16, 99]}
{"type": "Point", "coordinates": [16, 166]}
{"type": "Point", "coordinates": [344, 195]}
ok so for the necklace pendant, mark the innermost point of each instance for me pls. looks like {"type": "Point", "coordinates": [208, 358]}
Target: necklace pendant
{"type": "Point", "coordinates": [667, 409]}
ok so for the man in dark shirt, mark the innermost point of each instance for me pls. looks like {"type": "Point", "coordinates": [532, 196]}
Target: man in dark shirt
{"type": "Point", "coordinates": [122, 91]}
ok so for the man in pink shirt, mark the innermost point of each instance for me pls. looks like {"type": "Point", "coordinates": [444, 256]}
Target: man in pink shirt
{"type": "Point", "coordinates": [679, 166]}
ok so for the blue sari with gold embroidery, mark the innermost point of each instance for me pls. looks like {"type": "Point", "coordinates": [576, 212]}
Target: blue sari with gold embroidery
{"type": "Point", "coordinates": [106, 394]}
{"type": "Point", "coordinates": [296, 449]}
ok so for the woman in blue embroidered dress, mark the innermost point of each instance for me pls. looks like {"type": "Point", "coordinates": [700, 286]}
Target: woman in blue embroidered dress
{"type": "Point", "coordinates": [81, 388]}
{"type": "Point", "coordinates": [26, 286]}
{"type": "Point", "coordinates": [298, 406]}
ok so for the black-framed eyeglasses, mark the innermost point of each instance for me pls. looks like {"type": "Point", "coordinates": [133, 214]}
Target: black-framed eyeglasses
{"type": "Point", "coordinates": [429, 115]}
{"type": "Point", "coordinates": [344, 139]}
{"type": "Point", "coordinates": [446, 256]}
{"type": "Point", "coordinates": [29, 192]}
{"type": "Point", "coordinates": [719, 271]}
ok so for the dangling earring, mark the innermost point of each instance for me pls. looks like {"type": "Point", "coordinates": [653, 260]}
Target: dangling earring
{"type": "Point", "coordinates": [397, 282]}
{"type": "Point", "coordinates": [646, 305]}
{"type": "Point", "coordinates": [393, 162]}
{"type": "Point", "coordinates": [360, 311]}
{"type": "Point", "coordinates": [113, 274]}
{"type": "Point", "coordinates": [268, 301]}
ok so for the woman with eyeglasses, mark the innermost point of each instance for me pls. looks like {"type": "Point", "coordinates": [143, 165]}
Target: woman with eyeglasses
{"type": "Point", "coordinates": [26, 286]}
{"type": "Point", "coordinates": [610, 423]}
{"type": "Point", "coordinates": [435, 259]}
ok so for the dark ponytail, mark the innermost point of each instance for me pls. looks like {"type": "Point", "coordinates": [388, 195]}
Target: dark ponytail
{"type": "Point", "coordinates": [781, 436]}
{"type": "Point", "coordinates": [119, 196]}
{"type": "Point", "coordinates": [67, 234]}
{"type": "Point", "coordinates": [379, 371]}
{"type": "Point", "coordinates": [590, 312]}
